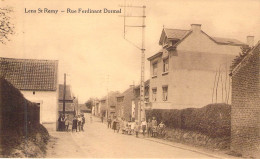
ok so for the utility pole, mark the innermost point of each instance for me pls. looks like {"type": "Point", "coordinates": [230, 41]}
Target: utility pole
{"type": "Point", "coordinates": [141, 111]}
{"type": "Point", "coordinates": [64, 94]}
{"type": "Point", "coordinates": [107, 94]}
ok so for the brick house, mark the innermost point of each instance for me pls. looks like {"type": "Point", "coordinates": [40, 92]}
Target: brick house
{"type": "Point", "coordinates": [191, 69]}
{"type": "Point", "coordinates": [129, 101]}
{"type": "Point", "coordinates": [245, 107]}
{"type": "Point", "coordinates": [37, 81]}
{"type": "Point", "coordinates": [124, 103]}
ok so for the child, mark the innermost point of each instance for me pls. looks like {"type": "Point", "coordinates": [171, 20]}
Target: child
{"type": "Point", "coordinates": [137, 128]}
{"type": "Point", "coordinates": [132, 127]}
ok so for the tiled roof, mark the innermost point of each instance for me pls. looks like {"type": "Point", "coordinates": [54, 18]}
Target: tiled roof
{"type": "Point", "coordinates": [30, 74]}
{"type": "Point", "coordinates": [68, 106]}
{"type": "Point", "coordinates": [227, 41]}
{"type": "Point", "coordinates": [176, 33]}
{"type": "Point", "coordinates": [68, 95]}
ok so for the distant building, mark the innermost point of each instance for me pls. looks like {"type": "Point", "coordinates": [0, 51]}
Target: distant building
{"type": "Point", "coordinates": [70, 102]}
{"type": "Point", "coordinates": [108, 109]}
{"type": "Point", "coordinates": [136, 101]}
{"type": "Point", "coordinates": [124, 104]}
{"type": "Point", "coordinates": [37, 80]}
{"type": "Point", "coordinates": [245, 106]}
{"type": "Point", "coordinates": [191, 69]}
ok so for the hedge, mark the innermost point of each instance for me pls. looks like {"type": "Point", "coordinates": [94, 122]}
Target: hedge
{"type": "Point", "coordinates": [212, 120]}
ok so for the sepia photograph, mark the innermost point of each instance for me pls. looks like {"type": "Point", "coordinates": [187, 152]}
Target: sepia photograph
{"type": "Point", "coordinates": [130, 79]}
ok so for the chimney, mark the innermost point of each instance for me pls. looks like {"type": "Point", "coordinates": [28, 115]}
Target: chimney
{"type": "Point", "coordinates": [196, 27]}
{"type": "Point", "coordinates": [250, 41]}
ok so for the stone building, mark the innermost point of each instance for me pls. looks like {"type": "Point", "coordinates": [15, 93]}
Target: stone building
{"type": "Point", "coordinates": [245, 107]}
{"type": "Point", "coordinates": [191, 69]}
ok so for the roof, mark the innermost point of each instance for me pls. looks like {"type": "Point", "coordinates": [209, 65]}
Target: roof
{"type": "Point", "coordinates": [68, 95]}
{"type": "Point", "coordinates": [255, 49]}
{"type": "Point", "coordinates": [177, 34]}
{"type": "Point", "coordinates": [227, 41]}
{"type": "Point", "coordinates": [30, 74]}
{"type": "Point", "coordinates": [146, 83]}
{"type": "Point", "coordinates": [158, 54]}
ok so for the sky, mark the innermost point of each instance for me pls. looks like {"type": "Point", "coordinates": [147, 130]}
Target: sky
{"type": "Point", "coordinates": [91, 47]}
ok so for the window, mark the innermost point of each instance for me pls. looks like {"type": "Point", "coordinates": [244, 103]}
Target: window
{"type": "Point", "coordinates": [166, 65]}
{"type": "Point", "coordinates": [154, 94]}
{"type": "Point", "coordinates": [165, 93]}
{"type": "Point", "coordinates": [155, 69]}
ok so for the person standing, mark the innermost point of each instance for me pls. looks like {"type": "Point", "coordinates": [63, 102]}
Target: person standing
{"type": "Point", "coordinates": [144, 125]}
{"type": "Point", "coordinates": [109, 122]}
{"type": "Point", "coordinates": [79, 122]}
{"type": "Point", "coordinates": [118, 122]}
{"type": "Point", "coordinates": [149, 127]}
{"type": "Point", "coordinates": [67, 122]}
{"type": "Point", "coordinates": [63, 123]}
{"type": "Point", "coordinates": [154, 127]}
{"type": "Point", "coordinates": [75, 124]}
{"type": "Point", "coordinates": [59, 123]}
{"type": "Point", "coordinates": [83, 123]}
{"type": "Point", "coordinates": [136, 128]}
{"type": "Point", "coordinates": [114, 123]}
{"type": "Point", "coordinates": [102, 118]}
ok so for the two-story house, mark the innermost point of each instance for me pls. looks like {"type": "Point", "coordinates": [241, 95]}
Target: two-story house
{"type": "Point", "coordinates": [191, 69]}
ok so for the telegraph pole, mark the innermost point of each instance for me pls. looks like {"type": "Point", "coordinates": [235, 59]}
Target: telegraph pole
{"type": "Point", "coordinates": [64, 94]}
{"type": "Point", "coordinates": [141, 111]}
{"type": "Point", "coordinates": [107, 94]}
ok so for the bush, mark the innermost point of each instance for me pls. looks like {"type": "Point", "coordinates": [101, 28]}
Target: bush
{"type": "Point", "coordinates": [212, 120]}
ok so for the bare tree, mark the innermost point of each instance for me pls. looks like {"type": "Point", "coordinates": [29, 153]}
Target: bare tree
{"type": "Point", "coordinates": [6, 25]}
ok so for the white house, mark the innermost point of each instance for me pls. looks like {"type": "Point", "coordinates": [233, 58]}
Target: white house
{"type": "Point", "coordinates": [38, 82]}
{"type": "Point", "coordinates": [191, 69]}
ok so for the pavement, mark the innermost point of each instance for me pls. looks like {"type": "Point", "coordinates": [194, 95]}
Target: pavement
{"type": "Point", "coordinates": [97, 141]}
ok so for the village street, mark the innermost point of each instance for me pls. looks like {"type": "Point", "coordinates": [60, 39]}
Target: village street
{"type": "Point", "coordinates": [99, 141]}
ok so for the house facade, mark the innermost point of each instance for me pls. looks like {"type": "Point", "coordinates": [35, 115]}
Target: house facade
{"type": "Point", "coordinates": [37, 81]}
{"type": "Point", "coordinates": [191, 69]}
{"type": "Point", "coordinates": [245, 106]}
{"type": "Point", "coordinates": [108, 109]}
{"type": "Point", "coordinates": [124, 104]}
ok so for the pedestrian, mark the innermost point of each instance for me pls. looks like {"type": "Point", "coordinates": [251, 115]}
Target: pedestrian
{"type": "Point", "coordinates": [109, 120]}
{"type": "Point", "coordinates": [63, 123]}
{"type": "Point", "coordinates": [67, 122]}
{"type": "Point", "coordinates": [83, 123]}
{"type": "Point", "coordinates": [75, 124]}
{"type": "Point", "coordinates": [144, 125]}
{"type": "Point", "coordinates": [118, 122]}
{"type": "Point", "coordinates": [79, 122]}
{"type": "Point", "coordinates": [122, 125]}
{"type": "Point", "coordinates": [129, 132]}
{"type": "Point", "coordinates": [149, 127]}
{"type": "Point", "coordinates": [137, 128]}
{"type": "Point", "coordinates": [59, 123]}
{"type": "Point", "coordinates": [91, 118]}
{"type": "Point", "coordinates": [154, 127]}
{"type": "Point", "coordinates": [114, 124]}
{"type": "Point", "coordinates": [132, 127]}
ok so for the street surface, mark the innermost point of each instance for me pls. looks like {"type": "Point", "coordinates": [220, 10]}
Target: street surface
{"type": "Point", "coordinates": [98, 141]}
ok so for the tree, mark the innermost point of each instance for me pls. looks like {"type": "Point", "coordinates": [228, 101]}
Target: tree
{"type": "Point", "coordinates": [244, 51]}
{"type": "Point", "coordinates": [6, 25]}
{"type": "Point", "coordinates": [89, 103]}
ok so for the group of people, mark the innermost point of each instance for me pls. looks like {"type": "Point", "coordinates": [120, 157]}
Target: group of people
{"type": "Point", "coordinates": [63, 122]}
{"type": "Point", "coordinates": [78, 122]}
{"type": "Point", "coordinates": [152, 128]}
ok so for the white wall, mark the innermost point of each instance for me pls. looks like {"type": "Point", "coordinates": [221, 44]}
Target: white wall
{"type": "Point", "coordinates": [48, 104]}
